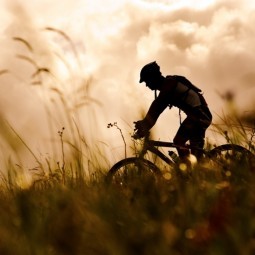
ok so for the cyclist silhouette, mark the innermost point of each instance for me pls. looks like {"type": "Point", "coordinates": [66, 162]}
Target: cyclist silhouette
{"type": "Point", "coordinates": [179, 92]}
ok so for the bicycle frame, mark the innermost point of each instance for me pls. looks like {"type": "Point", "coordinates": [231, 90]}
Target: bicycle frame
{"type": "Point", "coordinates": [151, 145]}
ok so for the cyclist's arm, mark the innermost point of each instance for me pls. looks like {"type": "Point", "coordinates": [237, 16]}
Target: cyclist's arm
{"type": "Point", "coordinates": [156, 108]}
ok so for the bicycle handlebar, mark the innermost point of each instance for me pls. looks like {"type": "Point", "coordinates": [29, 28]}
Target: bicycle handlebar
{"type": "Point", "coordinates": [147, 141]}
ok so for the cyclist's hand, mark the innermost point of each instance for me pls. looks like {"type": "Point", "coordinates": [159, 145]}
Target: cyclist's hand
{"type": "Point", "coordinates": [139, 125]}
{"type": "Point", "coordinates": [140, 130]}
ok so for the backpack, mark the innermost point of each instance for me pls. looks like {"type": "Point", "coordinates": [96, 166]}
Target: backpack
{"type": "Point", "coordinates": [189, 85]}
{"type": "Point", "coordinates": [185, 82]}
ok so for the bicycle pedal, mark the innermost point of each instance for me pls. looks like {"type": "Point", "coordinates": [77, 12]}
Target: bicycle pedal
{"type": "Point", "coordinates": [173, 156]}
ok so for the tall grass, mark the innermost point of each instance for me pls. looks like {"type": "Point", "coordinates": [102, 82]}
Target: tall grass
{"type": "Point", "coordinates": [207, 214]}
{"type": "Point", "coordinates": [235, 127]}
{"type": "Point", "coordinates": [62, 105]}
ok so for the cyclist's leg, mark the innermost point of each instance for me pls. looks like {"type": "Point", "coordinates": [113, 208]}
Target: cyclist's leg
{"type": "Point", "coordinates": [182, 136]}
{"type": "Point", "coordinates": [202, 120]}
{"type": "Point", "coordinates": [191, 130]}
{"type": "Point", "coordinates": [197, 142]}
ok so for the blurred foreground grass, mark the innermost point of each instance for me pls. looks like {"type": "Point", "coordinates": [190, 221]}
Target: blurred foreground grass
{"type": "Point", "coordinates": [206, 214]}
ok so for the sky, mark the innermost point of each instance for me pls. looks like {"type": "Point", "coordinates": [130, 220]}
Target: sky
{"type": "Point", "coordinates": [84, 57]}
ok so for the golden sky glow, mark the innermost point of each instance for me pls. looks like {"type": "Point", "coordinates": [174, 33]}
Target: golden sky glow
{"type": "Point", "coordinates": [211, 42]}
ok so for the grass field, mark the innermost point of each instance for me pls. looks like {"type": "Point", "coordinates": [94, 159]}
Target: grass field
{"type": "Point", "coordinates": [208, 213]}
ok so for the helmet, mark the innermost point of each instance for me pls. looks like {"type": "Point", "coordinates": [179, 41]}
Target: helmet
{"type": "Point", "coordinates": [149, 71]}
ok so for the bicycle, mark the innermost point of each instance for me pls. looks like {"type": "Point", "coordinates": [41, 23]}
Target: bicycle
{"type": "Point", "coordinates": [138, 166]}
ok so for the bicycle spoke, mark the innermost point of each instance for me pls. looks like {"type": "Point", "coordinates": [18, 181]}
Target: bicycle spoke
{"type": "Point", "coordinates": [131, 170]}
{"type": "Point", "coordinates": [232, 160]}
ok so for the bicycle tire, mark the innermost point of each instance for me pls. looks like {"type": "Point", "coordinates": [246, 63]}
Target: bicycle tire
{"type": "Point", "coordinates": [229, 155]}
{"type": "Point", "coordinates": [128, 169]}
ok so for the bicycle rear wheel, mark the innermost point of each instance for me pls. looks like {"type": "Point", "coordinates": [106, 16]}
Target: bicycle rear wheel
{"type": "Point", "coordinates": [232, 158]}
{"type": "Point", "coordinates": [132, 169]}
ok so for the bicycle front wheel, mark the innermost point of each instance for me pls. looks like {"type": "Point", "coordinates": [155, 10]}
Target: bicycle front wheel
{"type": "Point", "coordinates": [132, 169]}
{"type": "Point", "coordinates": [232, 157]}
